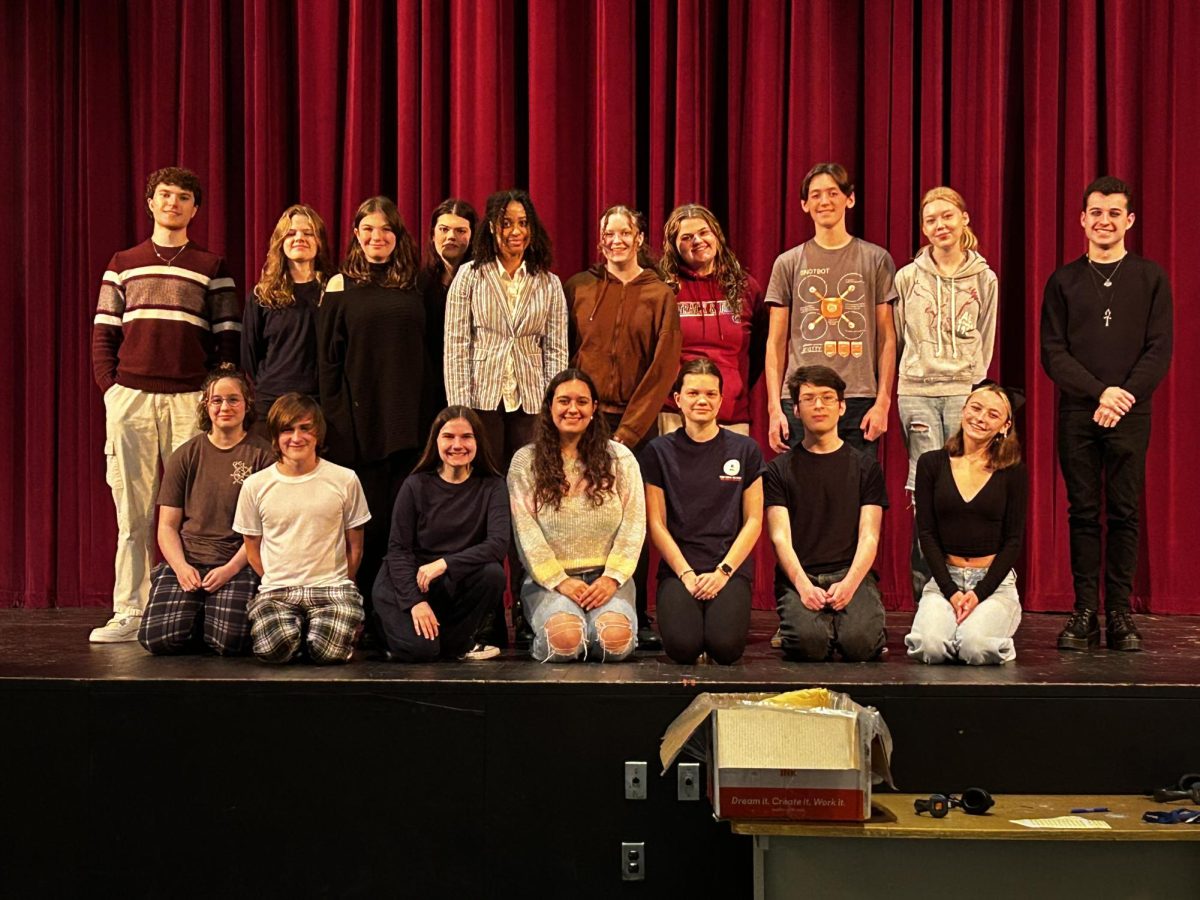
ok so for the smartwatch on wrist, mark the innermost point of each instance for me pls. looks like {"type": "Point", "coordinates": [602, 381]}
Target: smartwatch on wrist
{"type": "Point", "coordinates": [725, 569]}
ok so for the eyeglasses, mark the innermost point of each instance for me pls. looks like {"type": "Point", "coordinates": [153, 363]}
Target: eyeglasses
{"type": "Point", "coordinates": [232, 402]}
{"type": "Point", "coordinates": [811, 400]}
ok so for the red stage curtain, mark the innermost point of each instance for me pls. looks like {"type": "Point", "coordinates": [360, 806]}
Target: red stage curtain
{"type": "Point", "coordinates": [588, 102]}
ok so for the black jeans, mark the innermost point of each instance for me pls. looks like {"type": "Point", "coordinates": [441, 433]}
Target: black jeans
{"type": "Point", "coordinates": [641, 574]}
{"type": "Point", "coordinates": [459, 606]}
{"type": "Point", "coordinates": [848, 430]}
{"type": "Point", "coordinates": [857, 631]}
{"type": "Point", "coordinates": [380, 482]}
{"type": "Point", "coordinates": [1108, 463]}
{"type": "Point", "coordinates": [717, 627]}
{"type": "Point", "coordinates": [505, 433]}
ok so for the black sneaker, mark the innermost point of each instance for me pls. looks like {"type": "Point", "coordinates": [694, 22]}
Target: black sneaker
{"type": "Point", "coordinates": [1082, 631]}
{"type": "Point", "coordinates": [1121, 633]}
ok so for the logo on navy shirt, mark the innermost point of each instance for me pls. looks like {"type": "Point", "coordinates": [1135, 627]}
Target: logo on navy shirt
{"type": "Point", "coordinates": [732, 470]}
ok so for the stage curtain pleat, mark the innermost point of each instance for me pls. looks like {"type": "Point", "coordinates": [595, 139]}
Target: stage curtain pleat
{"type": "Point", "coordinates": [1017, 103]}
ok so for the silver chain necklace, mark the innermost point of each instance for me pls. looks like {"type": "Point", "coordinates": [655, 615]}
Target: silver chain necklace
{"type": "Point", "coordinates": [154, 247]}
{"type": "Point", "coordinates": [1108, 279]}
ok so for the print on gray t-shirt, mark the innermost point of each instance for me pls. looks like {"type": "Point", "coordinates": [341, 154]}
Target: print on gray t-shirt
{"type": "Point", "coordinates": [832, 295]}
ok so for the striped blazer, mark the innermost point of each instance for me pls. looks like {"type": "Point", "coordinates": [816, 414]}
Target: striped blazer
{"type": "Point", "coordinates": [481, 333]}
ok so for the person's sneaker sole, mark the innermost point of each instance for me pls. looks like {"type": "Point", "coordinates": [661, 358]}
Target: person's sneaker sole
{"type": "Point", "coordinates": [106, 635]}
{"type": "Point", "coordinates": [481, 653]}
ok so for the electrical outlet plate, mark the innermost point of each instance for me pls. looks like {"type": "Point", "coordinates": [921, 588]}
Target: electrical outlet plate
{"type": "Point", "coordinates": [635, 780]}
{"type": "Point", "coordinates": [688, 785]}
{"type": "Point", "coordinates": [633, 861]}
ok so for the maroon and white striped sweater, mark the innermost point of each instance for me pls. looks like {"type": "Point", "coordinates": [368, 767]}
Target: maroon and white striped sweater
{"type": "Point", "coordinates": [160, 328]}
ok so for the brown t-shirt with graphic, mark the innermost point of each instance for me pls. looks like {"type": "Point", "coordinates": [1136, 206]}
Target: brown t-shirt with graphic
{"type": "Point", "coordinates": [204, 481]}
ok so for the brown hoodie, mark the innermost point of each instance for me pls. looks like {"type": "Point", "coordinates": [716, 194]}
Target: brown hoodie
{"type": "Point", "coordinates": [626, 336]}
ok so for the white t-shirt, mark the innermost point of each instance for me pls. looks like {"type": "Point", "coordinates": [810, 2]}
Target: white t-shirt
{"type": "Point", "coordinates": [303, 522]}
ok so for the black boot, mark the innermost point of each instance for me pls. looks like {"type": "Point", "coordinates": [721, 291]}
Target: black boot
{"type": "Point", "coordinates": [1120, 631]}
{"type": "Point", "coordinates": [1082, 631]}
{"type": "Point", "coordinates": [522, 633]}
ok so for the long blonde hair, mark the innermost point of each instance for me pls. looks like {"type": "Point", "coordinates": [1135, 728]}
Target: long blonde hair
{"type": "Point", "coordinates": [275, 286]}
{"type": "Point", "coordinates": [968, 240]}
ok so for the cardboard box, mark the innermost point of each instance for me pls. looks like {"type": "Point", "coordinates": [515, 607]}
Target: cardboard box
{"type": "Point", "coordinates": [772, 761]}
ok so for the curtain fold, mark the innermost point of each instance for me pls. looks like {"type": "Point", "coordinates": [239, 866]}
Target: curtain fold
{"type": "Point", "coordinates": [1016, 103]}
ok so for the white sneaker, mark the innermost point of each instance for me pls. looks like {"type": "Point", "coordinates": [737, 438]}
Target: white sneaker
{"type": "Point", "coordinates": [121, 627]}
{"type": "Point", "coordinates": [481, 651]}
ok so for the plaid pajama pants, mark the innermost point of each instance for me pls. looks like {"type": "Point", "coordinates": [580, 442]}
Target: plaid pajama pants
{"type": "Point", "coordinates": [280, 617]}
{"type": "Point", "coordinates": [176, 620]}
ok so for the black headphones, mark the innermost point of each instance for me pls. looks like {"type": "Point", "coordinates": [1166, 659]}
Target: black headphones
{"type": "Point", "coordinates": [1188, 788]}
{"type": "Point", "coordinates": [974, 802]}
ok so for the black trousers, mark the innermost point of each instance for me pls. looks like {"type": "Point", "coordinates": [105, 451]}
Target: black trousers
{"type": "Point", "coordinates": [858, 631]}
{"type": "Point", "coordinates": [717, 627]}
{"type": "Point", "coordinates": [459, 607]}
{"type": "Point", "coordinates": [381, 482]}
{"type": "Point", "coordinates": [506, 433]}
{"type": "Point", "coordinates": [641, 574]}
{"type": "Point", "coordinates": [1106, 464]}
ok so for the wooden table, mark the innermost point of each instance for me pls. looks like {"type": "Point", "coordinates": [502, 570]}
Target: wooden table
{"type": "Point", "coordinates": [990, 856]}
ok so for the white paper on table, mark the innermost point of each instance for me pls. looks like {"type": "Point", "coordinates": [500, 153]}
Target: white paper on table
{"type": "Point", "coordinates": [1061, 822]}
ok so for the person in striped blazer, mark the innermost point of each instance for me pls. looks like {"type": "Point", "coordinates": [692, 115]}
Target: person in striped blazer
{"type": "Point", "coordinates": [506, 337]}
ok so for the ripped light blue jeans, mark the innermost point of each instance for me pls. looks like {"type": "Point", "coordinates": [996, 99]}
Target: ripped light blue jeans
{"type": "Point", "coordinates": [928, 422]}
{"type": "Point", "coordinates": [542, 605]}
{"type": "Point", "coordinates": [985, 637]}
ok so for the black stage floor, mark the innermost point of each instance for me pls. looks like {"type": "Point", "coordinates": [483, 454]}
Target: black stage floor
{"type": "Point", "coordinates": [200, 776]}
{"type": "Point", "coordinates": [52, 644]}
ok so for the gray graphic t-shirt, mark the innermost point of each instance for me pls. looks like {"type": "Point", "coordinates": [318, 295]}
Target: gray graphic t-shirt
{"type": "Point", "coordinates": [832, 295]}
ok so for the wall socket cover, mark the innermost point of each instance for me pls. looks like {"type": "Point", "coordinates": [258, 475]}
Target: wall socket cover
{"type": "Point", "coordinates": [688, 784]}
{"type": "Point", "coordinates": [635, 780]}
{"type": "Point", "coordinates": [633, 861]}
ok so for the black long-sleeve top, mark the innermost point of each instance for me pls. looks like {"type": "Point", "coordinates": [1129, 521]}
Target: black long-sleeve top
{"type": "Point", "coordinates": [1095, 337]}
{"type": "Point", "coordinates": [468, 524]}
{"type": "Point", "coordinates": [371, 354]}
{"type": "Point", "coordinates": [279, 345]}
{"type": "Point", "coordinates": [993, 522]}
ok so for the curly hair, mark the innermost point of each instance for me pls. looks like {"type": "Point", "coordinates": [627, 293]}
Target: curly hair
{"type": "Point", "coordinates": [729, 273]}
{"type": "Point", "coordinates": [537, 254]}
{"type": "Point", "coordinates": [274, 288]}
{"type": "Point", "coordinates": [401, 271]}
{"type": "Point", "coordinates": [177, 177]}
{"type": "Point", "coordinates": [224, 370]}
{"type": "Point", "coordinates": [549, 479]}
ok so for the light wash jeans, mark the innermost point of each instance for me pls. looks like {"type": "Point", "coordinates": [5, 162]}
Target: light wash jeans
{"type": "Point", "coordinates": [983, 638]}
{"type": "Point", "coordinates": [928, 422]}
{"type": "Point", "coordinates": [541, 605]}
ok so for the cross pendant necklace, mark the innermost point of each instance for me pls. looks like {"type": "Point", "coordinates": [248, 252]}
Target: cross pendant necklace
{"type": "Point", "coordinates": [1107, 317]}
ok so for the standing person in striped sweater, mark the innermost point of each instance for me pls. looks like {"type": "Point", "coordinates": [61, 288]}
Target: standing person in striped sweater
{"type": "Point", "coordinates": [168, 312]}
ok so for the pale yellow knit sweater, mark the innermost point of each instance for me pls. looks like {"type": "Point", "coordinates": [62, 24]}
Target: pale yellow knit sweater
{"type": "Point", "coordinates": [555, 543]}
